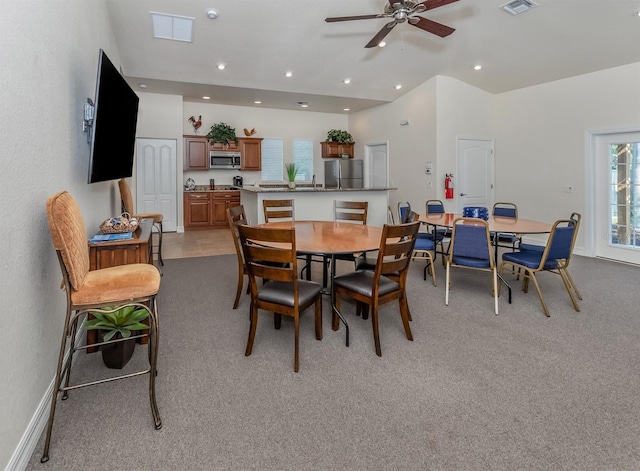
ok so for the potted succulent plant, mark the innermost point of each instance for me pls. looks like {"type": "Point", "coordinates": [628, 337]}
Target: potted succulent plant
{"type": "Point", "coordinates": [115, 323]}
{"type": "Point", "coordinates": [222, 133]}
{"type": "Point", "coordinates": [342, 137]}
{"type": "Point", "coordinates": [292, 171]}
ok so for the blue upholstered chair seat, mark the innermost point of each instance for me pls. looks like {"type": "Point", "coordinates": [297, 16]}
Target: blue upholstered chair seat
{"type": "Point", "coordinates": [532, 247]}
{"type": "Point", "coordinates": [362, 283]}
{"type": "Point", "coordinates": [471, 262]}
{"type": "Point", "coordinates": [281, 292]}
{"type": "Point", "coordinates": [529, 259]}
{"type": "Point", "coordinates": [424, 243]}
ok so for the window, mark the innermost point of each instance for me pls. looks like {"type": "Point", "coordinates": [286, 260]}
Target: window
{"type": "Point", "coordinates": [625, 194]}
{"type": "Point", "coordinates": [272, 160]}
{"type": "Point", "coordinates": [303, 158]}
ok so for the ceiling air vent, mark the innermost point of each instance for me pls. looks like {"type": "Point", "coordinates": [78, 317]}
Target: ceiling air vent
{"type": "Point", "coordinates": [518, 6]}
{"type": "Point", "coordinates": [177, 28]}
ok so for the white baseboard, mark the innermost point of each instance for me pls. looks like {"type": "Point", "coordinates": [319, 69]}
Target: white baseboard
{"type": "Point", "coordinates": [27, 444]}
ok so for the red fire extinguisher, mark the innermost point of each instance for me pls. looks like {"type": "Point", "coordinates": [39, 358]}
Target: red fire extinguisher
{"type": "Point", "coordinates": [448, 186]}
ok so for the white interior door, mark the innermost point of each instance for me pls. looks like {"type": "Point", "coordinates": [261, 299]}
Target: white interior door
{"type": "Point", "coordinates": [376, 163]}
{"type": "Point", "coordinates": [156, 189]}
{"type": "Point", "coordinates": [473, 186]}
{"type": "Point", "coordinates": [617, 197]}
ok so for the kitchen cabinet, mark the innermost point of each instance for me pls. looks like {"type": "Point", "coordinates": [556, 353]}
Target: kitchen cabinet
{"type": "Point", "coordinates": [220, 202]}
{"type": "Point", "coordinates": [196, 153]}
{"type": "Point", "coordinates": [196, 210]}
{"type": "Point", "coordinates": [208, 209]}
{"type": "Point", "coordinates": [230, 147]}
{"type": "Point", "coordinates": [251, 151]}
{"type": "Point", "coordinates": [336, 149]}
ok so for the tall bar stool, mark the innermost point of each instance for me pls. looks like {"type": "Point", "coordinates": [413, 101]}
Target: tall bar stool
{"type": "Point", "coordinates": [127, 205]}
{"type": "Point", "coordinates": [87, 291]}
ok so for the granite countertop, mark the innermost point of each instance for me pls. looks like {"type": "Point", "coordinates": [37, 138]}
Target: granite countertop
{"type": "Point", "coordinates": [306, 189]}
{"type": "Point", "coordinates": [207, 189]}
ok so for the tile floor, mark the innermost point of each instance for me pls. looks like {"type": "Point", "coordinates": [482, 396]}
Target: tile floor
{"type": "Point", "coordinates": [197, 243]}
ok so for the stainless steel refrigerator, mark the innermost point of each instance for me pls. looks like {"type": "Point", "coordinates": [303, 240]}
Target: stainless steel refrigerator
{"type": "Point", "coordinates": [343, 173]}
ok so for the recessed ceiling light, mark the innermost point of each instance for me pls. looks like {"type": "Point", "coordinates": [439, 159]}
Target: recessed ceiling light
{"type": "Point", "coordinates": [638, 13]}
{"type": "Point", "coordinates": [347, 109]}
{"type": "Point", "coordinates": [257, 102]}
{"type": "Point", "coordinates": [347, 81]}
{"type": "Point", "coordinates": [206, 98]}
{"type": "Point", "coordinates": [477, 67]}
{"type": "Point", "coordinates": [288, 74]}
{"type": "Point", "coordinates": [222, 66]}
{"type": "Point", "coordinates": [212, 14]}
{"type": "Point", "coordinates": [142, 85]}
{"type": "Point", "coordinates": [398, 87]}
{"type": "Point", "coordinates": [382, 43]}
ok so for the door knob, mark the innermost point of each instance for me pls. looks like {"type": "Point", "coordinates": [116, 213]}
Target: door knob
{"type": "Point", "coordinates": [463, 194]}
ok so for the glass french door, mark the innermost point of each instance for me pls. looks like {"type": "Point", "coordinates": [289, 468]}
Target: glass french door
{"type": "Point", "coordinates": [618, 197]}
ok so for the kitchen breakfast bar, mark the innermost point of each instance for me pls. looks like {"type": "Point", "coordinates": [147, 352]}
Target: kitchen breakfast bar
{"type": "Point", "coordinates": [315, 203]}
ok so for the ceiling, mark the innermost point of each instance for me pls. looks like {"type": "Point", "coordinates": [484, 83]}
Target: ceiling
{"type": "Point", "coordinates": [260, 40]}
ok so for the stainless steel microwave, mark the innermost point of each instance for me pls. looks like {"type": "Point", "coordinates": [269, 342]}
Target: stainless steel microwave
{"type": "Point", "coordinates": [224, 159]}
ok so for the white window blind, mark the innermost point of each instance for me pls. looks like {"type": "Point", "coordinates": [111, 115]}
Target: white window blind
{"type": "Point", "coordinates": [303, 158]}
{"type": "Point", "coordinates": [272, 160]}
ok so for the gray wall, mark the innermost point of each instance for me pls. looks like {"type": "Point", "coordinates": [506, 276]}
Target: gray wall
{"type": "Point", "coordinates": [49, 57]}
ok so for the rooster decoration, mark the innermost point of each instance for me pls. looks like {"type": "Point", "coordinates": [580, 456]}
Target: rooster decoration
{"type": "Point", "coordinates": [195, 123]}
{"type": "Point", "coordinates": [249, 133]}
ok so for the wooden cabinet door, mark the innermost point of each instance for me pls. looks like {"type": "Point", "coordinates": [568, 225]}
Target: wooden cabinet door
{"type": "Point", "coordinates": [335, 150]}
{"type": "Point", "coordinates": [196, 153]}
{"type": "Point", "coordinates": [251, 151]}
{"type": "Point", "coordinates": [196, 209]}
{"type": "Point", "coordinates": [218, 211]}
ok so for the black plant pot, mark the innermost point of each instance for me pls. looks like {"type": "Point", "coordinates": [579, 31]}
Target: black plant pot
{"type": "Point", "coordinates": [117, 355]}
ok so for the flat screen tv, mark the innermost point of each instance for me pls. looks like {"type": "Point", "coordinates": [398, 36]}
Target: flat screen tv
{"type": "Point", "coordinates": [113, 131]}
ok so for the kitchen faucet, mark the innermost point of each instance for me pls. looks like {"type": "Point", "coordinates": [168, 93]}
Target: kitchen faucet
{"type": "Point", "coordinates": [313, 181]}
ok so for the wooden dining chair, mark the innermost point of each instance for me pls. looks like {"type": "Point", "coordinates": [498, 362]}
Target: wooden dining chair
{"type": "Point", "coordinates": [278, 210]}
{"type": "Point", "coordinates": [236, 216]}
{"type": "Point", "coordinates": [106, 289]}
{"type": "Point", "coordinates": [127, 206]}
{"type": "Point", "coordinates": [554, 258]}
{"type": "Point", "coordinates": [470, 247]}
{"type": "Point", "coordinates": [270, 254]}
{"type": "Point", "coordinates": [374, 288]}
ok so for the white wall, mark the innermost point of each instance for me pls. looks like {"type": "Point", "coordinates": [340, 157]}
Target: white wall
{"type": "Point", "coordinates": [410, 147]}
{"type": "Point", "coordinates": [463, 111]}
{"type": "Point", "coordinates": [540, 139]}
{"type": "Point", "coordinates": [49, 57]}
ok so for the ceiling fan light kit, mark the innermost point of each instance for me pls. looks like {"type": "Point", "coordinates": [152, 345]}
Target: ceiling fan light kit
{"type": "Point", "coordinates": [401, 11]}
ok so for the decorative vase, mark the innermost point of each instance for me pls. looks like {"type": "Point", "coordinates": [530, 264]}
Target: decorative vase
{"type": "Point", "coordinates": [292, 185]}
{"type": "Point", "coordinates": [117, 355]}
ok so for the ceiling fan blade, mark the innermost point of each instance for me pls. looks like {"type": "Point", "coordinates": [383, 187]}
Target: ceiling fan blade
{"type": "Point", "coordinates": [349, 18]}
{"type": "Point", "coordinates": [386, 29]}
{"type": "Point", "coordinates": [431, 26]}
{"type": "Point", "coordinates": [431, 4]}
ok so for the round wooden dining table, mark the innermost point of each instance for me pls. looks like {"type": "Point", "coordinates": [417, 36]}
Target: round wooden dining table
{"type": "Point", "coordinates": [331, 238]}
{"type": "Point", "coordinates": [497, 224]}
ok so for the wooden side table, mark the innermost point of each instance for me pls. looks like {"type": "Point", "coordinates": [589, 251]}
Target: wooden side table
{"type": "Point", "coordinates": [121, 252]}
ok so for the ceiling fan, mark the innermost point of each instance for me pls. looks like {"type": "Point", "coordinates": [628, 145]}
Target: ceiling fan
{"type": "Point", "coordinates": [400, 11]}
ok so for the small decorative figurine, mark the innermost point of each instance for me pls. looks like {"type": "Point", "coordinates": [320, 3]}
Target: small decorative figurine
{"type": "Point", "coordinates": [195, 123]}
{"type": "Point", "coordinates": [249, 133]}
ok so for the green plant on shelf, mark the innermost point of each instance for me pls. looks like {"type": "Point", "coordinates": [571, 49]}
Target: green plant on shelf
{"type": "Point", "coordinates": [292, 171]}
{"type": "Point", "coordinates": [222, 133]}
{"type": "Point", "coordinates": [341, 137]}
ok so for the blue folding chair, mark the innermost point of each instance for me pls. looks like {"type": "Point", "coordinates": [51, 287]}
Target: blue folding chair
{"type": "Point", "coordinates": [554, 258]}
{"type": "Point", "coordinates": [438, 234]}
{"type": "Point", "coordinates": [470, 247]}
{"type": "Point", "coordinates": [576, 217]}
{"type": "Point", "coordinates": [506, 210]}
